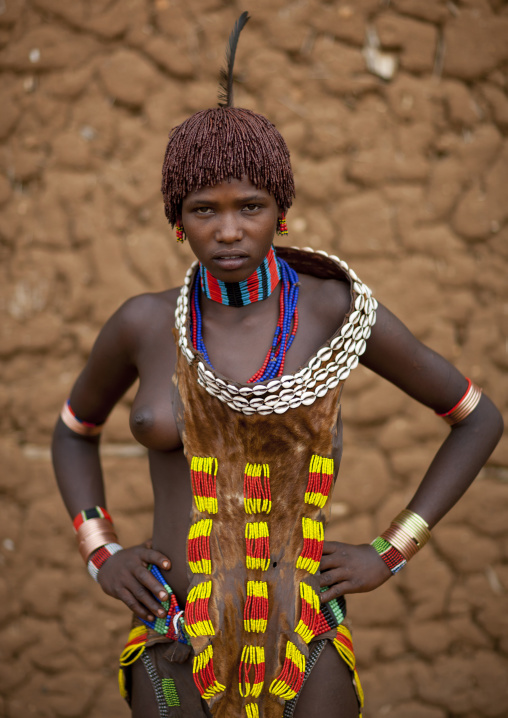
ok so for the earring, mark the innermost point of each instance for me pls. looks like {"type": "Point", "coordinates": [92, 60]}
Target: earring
{"type": "Point", "coordinates": [180, 233]}
{"type": "Point", "coordinates": [282, 227]}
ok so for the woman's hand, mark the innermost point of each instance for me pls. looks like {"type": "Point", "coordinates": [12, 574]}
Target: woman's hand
{"type": "Point", "coordinates": [346, 568]}
{"type": "Point", "coordinates": [125, 576]}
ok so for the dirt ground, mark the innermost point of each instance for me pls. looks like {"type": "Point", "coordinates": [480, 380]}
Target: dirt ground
{"type": "Point", "coordinates": [396, 114]}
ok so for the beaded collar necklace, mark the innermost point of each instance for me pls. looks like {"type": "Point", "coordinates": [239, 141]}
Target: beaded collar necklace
{"type": "Point", "coordinates": [257, 285]}
{"type": "Point", "coordinates": [325, 370]}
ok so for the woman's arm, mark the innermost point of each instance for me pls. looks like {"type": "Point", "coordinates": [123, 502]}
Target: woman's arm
{"type": "Point", "coordinates": [396, 355]}
{"type": "Point", "coordinates": [109, 372]}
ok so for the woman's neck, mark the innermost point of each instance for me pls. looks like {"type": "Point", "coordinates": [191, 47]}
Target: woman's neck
{"type": "Point", "coordinates": [255, 288]}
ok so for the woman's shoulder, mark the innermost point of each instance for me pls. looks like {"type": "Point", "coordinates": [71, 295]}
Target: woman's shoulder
{"type": "Point", "coordinates": [152, 306]}
{"type": "Point", "coordinates": [326, 297]}
{"type": "Point", "coordinates": [141, 316]}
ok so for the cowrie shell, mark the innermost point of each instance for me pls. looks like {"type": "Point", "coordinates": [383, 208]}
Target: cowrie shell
{"type": "Point", "coordinates": [321, 375]}
{"type": "Point", "coordinates": [337, 343]}
{"type": "Point", "coordinates": [361, 346]}
{"type": "Point", "coordinates": [321, 390]}
{"type": "Point", "coordinates": [265, 410]}
{"type": "Point", "coordinates": [325, 353]}
{"type": "Point", "coordinates": [352, 362]}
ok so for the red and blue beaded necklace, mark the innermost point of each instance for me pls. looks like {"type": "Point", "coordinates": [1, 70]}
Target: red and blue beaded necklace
{"type": "Point", "coordinates": [255, 288]}
{"type": "Point", "coordinates": [237, 294]}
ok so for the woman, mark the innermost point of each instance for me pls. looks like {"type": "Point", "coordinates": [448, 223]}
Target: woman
{"type": "Point", "coordinates": [241, 417]}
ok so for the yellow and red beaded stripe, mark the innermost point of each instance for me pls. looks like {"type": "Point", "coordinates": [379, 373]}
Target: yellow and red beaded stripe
{"type": "Point", "coordinates": [290, 680]}
{"type": "Point", "coordinates": [252, 660]}
{"type": "Point", "coordinates": [204, 483]}
{"type": "Point", "coordinates": [255, 612]}
{"type": "Point", "coordinates": [257, 544]}
{"type": "Point", "coordinates": [198, 547]}
{"type": "Point", "coordinates": [197, 618]}
{"type": "Point", "coordinates": [344, 645]}
{"type": "Point", "coordinates": [204, 675]}
{"type": "Point", "coordinates": [256, 489]}
{"type": "Point", "coordinates": [135, 646]}
{"type": "Point", "coordinates": [320, 480]}
{"type": "Point", "coordinates": [309, 614]}
{"type": "Point", "coordinates": [252, 710]}
{"type": "Point", "coordinates": [313, 537]}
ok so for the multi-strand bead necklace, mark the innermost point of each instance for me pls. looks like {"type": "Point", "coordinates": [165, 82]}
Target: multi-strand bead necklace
{"type": "Point", "coordinates": [255, 288]}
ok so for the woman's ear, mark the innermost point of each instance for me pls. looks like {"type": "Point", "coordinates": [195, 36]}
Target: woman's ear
{"type": "Point", "coordinates": [180, 231]}
{"type": "Point", "coordinates": [282, 227]}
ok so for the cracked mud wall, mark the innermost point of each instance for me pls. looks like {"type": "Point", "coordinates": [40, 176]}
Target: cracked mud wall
{"type": "Point", "coordinates": [402, 169]}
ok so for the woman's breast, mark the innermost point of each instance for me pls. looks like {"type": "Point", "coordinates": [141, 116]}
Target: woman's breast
{"type": "Point", "coordinates": [152, 420]}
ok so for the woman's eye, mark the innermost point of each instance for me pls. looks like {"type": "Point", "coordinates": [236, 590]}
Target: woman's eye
{"type": "Point", "coordinates": [252, 207]}
{"type": "Point", "coordinates": [203, 210]}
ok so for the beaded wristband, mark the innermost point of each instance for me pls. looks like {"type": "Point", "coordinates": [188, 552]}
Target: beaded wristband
{"type": "Point", "coordinates": [85, 428]}
{"type": "Point", "coordinates": [97, 512]}
{"type": "Point", "coordinates": [408, 533]}
{"type": "Point", "coordinates": [392, 558]}
{"type": "Point", "coordinates": [465, 406]}
{"type": "Point", "coordinates": [94, 528]}
{"type": "Point", "coordinates": [99, 558]}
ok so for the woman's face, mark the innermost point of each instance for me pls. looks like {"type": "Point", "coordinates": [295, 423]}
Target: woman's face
{"type": "Point", "coordinates": [230, 227]}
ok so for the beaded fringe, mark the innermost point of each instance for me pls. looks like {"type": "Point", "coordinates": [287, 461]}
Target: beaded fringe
{"type": "Point", "coordinates": [255, 612]}
{"type": "Point", "coordinates": [320, 480]}
{"type": "Point", "coordinates": [198, 547]}
{"type": "Point", "coordinates": [204, 483]}
{"type": "Point", "coordinates": [311, 605]}
{"type": "Point", "coordinates": [256, 489]}
{"type": "Point", "coordinates": [313, 537]}
{"type": "Point", "coordinates": [253, 657]}
{"type": "Point", "coordinates": [290, 680]}
{"type": "Point", "coordinates": [257, 545]}
{"type": "Point", "coordinates": [197, 618]}
{"type": "Point", "coordinates": [204, 675]}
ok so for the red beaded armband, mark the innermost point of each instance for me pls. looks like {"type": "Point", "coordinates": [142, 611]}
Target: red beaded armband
{"type": "Point", "coordinates": [464, 406]}
{"type": "Point", "coordinates": [85, 428]}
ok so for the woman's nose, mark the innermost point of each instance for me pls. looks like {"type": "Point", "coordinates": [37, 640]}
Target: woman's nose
{"type": "Point", "coordinates": [229, 229]}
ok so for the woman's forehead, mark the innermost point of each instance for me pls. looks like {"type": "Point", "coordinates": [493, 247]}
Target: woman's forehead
{"type": "Point", "coordinates": [231, 187]}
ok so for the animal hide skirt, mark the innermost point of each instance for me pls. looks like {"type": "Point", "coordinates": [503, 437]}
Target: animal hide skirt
{"type": "Point", "coordinates": [168, 665]}
{"type": "Point", "coordinates": [263, 460]}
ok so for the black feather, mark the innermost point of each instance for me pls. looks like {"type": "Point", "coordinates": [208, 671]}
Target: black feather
{"type": "Point", "coordinates": [226, 74]}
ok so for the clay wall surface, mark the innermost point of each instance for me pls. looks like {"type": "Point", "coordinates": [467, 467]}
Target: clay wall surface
{"type": "Point", "coordinates": [401, 169]}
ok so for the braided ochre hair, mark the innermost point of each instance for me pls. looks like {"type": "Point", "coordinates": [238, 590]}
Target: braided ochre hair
{"type": "Point", "coordinates": [225, 142]}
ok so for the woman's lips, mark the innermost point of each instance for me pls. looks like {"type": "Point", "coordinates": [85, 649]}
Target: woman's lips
{"type": "Point", "coordinates": [230, 261]}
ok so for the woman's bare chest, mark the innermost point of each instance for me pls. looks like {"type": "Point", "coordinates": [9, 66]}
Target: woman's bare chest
{"type": "Point", "coordinates": [236, 352]}
{"type": "Point", "coordinates": [152, 421]}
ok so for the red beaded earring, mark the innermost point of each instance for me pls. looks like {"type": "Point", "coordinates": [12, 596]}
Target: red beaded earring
{"type": "Point", "coordinates": [180, 233]}
{"type": "Point", "coordinates": [282, 227]}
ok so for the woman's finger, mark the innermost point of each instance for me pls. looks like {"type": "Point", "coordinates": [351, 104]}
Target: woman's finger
{"type": "Point", "coordinates": [329, 546]}
{"type": "Point", "coordinates": [338, 589]}
{"type": "Point", "coordinates": [330, 578]}
{"type": "Point", "coordinates": [331, 560]}
{"type": "Point", "coordinates": [148, 580]}
{"type": "Point", "coordinates": [145, 598]}
{"type": "Point", "coordinates": [134, 605]}
{"type": "Point", "coordinates": [150, 555]}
